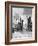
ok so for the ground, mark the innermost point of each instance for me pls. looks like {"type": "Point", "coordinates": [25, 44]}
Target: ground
{"type": "Point", "coordinates": [21, 34]}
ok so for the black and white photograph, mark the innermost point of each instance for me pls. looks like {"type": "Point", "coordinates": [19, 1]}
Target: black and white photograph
{"type": "Point", "coordinates": [21, 22]}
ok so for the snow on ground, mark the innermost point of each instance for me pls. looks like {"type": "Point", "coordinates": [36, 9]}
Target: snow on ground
{"type": "Point", "coordinates": [21, 34]}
